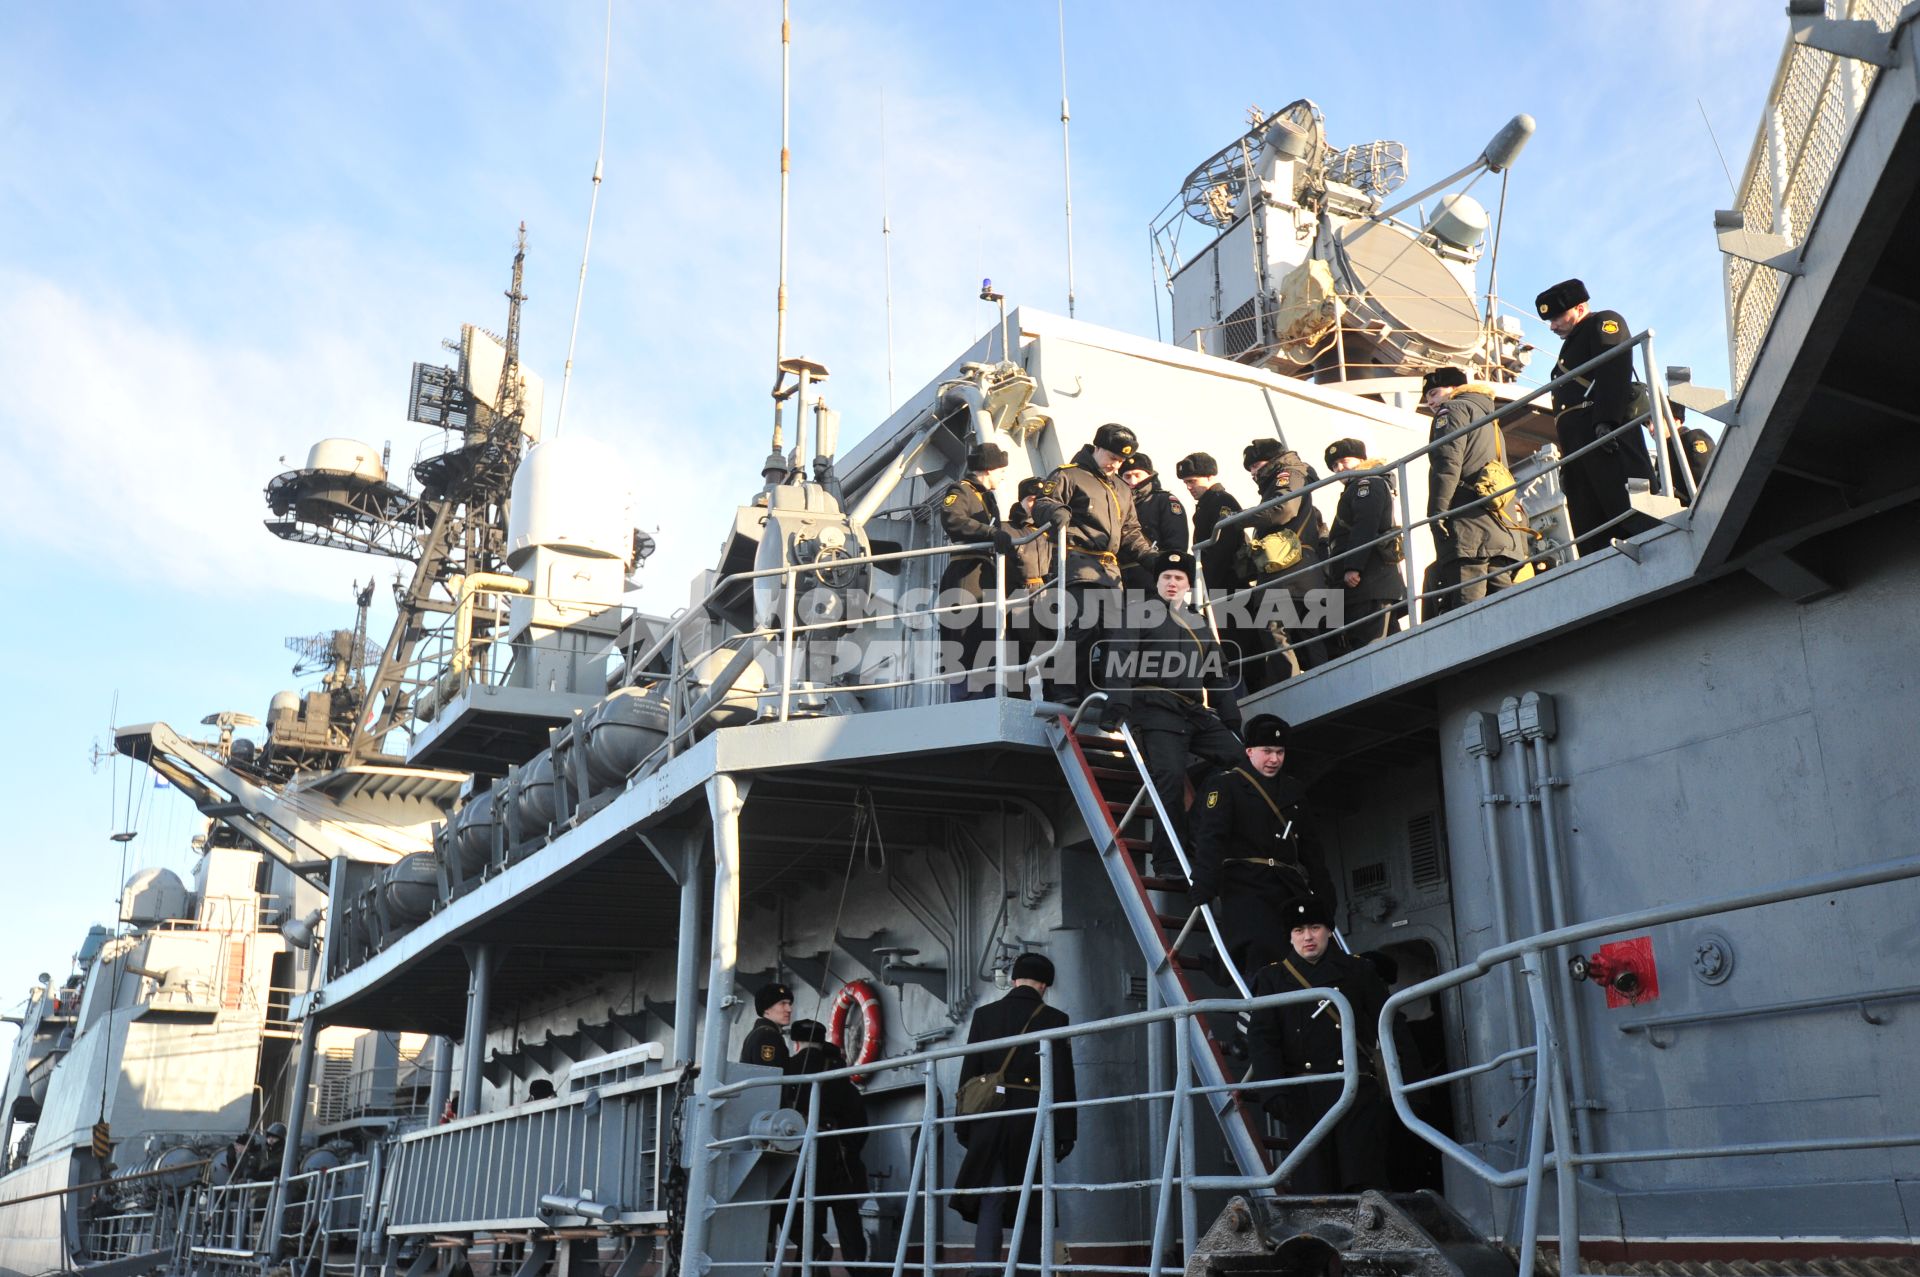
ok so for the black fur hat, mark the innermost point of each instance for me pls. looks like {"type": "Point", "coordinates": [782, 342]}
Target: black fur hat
{"type": "Point", "coordinates": [1305, 911]}
{"type": "Point", "coordinates": [1345, 448]}
{"type": "Point", "coordinates": [1033, 966]}
{"type": "Point", "coordinates": [987, 456]}
{"type": "Point", "coordinates": [1267, 729]}
{"type": "Point", "coordinates": [1561, 298]}
{"type": "Point", "coordinates": [769, 994]}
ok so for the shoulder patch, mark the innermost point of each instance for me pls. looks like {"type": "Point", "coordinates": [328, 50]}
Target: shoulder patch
{"type": "Point", "coordinates": [1213, 798]}
{"type": "Point", "coordinates": [1363, 487]}
{"type": "Point", "coordinates": [766, 1053]}
{"type": "Point", "coordinates": [1174, 505]}
{"type": "Point", "coordinates": [1609, 326]}
{"type": "Point", "coordinates": [951, 498]}
{"type": "Point", "coordinates": [1699, 445]}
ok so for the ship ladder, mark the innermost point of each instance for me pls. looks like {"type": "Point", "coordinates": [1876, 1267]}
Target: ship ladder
{"type": "Point", "coordinates": [1107, 775]}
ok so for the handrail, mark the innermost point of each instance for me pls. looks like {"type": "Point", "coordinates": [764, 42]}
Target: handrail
{"type": "Point", "coordinates": [1204, 912]}
{"type": "Point", "coordinates": [782, 636]}
{"type": "Point", "coordinates": [1001, 604]}
{"type": "Point", "coordinates": [1657, 416]}
{"type": "Point", "coordinates": [1552, 1106]}
{"type": "Point", "coordinates": [1176, 1173]}
{"type": "Point", "coordinates": [1785, 180]}
{"type": "Point", "coordinates": [1239, 517]}
{"type": "Point", "coordinates": [240, 1216]}
{"type": "Point", "coordinates": [114, 1182]}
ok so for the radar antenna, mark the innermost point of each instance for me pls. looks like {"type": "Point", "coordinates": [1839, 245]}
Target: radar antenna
{"type": "Point", "coordinates": [507, 401]}
{"type": "Point", "coordinates": [449, 521]}
{"type": "Point", "coordinates": [340, 654]}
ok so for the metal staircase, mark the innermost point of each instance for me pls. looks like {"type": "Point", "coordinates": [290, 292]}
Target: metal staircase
{"type": "Point", "coordinates": [1107, 775]}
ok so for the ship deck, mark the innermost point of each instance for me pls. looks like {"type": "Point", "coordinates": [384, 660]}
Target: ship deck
{"type": "Point", "coordinates": [611, 884]}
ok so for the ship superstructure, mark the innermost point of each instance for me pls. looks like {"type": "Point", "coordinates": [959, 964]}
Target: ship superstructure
{"type": "Point", "coordinates": [1632, 832]}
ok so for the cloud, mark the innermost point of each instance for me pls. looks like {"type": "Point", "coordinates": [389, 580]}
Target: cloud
{"type": "Point", "coordinates": [248, 281]}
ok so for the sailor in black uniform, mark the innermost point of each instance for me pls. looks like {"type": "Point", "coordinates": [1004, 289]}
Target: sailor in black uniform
{"type": "Point", "coordinates": [1086, 497]}
{"type": "Point", "coordinates": [1250, 848]}
{"type": "Point", "coordinates": [1368, 573]}
{"type": "Point", "coordinates": [1211, 503]}
{"type": "Point", "coordinates": [1162, 516]}
{"type": "Point", "coordinates": [1030, 572]}
{"type": "Point", "coordinates": [766, 1041]}
{"type": "Point", "coordinates": [1179, 693]}
{"type": "Point", "coordinates": [1600, 400]}
{"type": "Point", "coordinates": [1302, 1039]}
{"type": "Point", "coordinates": [1276, 470]}
{"type": "Point", "coordinates": [997, 1145]}
{"type": "Point", "coordinates": [1220, 562]}
{"type": "Point", "coordinates": [840, 1168]}
{"type": "Point", "coordinates": [970, 515]}
{"type": "Point", "coordinates": [1692, 448]}
{"type": "Point", "coordinates": [1476, 544]}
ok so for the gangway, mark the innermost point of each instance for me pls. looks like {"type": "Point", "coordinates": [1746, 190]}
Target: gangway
{"type": "Point", "coordinates": [1107, 776]}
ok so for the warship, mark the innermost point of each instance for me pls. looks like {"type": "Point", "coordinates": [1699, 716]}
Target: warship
{"type": "Point", "coordinates": [1636, 833]}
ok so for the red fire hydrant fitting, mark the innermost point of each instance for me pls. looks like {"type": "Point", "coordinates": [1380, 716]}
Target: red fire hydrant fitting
{"type": "Point", "coordinates": [1625, 969]}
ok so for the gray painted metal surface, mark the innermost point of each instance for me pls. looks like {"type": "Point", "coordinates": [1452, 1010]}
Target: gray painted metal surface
{"type": "Point", "coordinates": [492, 1171]}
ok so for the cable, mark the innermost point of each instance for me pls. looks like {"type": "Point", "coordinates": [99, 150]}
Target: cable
{"type": "Point", "coordinates": [846, 881]}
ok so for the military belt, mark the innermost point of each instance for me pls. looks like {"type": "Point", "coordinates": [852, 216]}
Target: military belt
{"type": "Point", "coordinates": [1269, 861]}
{"type": "Point", "coordinates": [1107, 557]}
{"type": "Point", "coordinates": [1199, 698]}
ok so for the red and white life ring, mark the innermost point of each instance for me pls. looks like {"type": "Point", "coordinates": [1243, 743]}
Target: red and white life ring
{"type": "Point", "coordinates": [857, 992]}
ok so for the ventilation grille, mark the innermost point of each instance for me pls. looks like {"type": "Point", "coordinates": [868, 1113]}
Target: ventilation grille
{"type": "Point", "coordinates": [1426, 854]}
{"type": "Point", "coordinates": [1137, 988]}
{"type": "Point", "coordinates": [1241, 331]}
{"type": "Point", "coordinates": [334, 1099]}
{"type": "Point", "coordinates": [1371, 877]}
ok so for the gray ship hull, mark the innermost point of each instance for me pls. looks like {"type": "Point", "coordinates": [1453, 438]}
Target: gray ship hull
{"type": "Point", "coordinates": [34, 1233]}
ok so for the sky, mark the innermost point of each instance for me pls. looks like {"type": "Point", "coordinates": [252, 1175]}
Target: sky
{"type": "Point", "coordinates": [227, 230]}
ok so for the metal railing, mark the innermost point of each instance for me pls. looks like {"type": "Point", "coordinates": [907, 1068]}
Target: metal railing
{"type": "Point", "coordinates": [492, 1170]}
{"type": "Point", "coordinates": [1175, 1184]}
{"type": "Point", "coordinates": [780, 643]}
{"type": "Point", "coordinates": [456, 656]}
{"type": "Point", "coordinates": [137, 1230]}
{"type": "Point", "coordinates": [1552, 1106]}
{"type": "Point", "coordinates": [1811, 108]}
{"type": "Point", "coordinates": [471, 648]}
{"type": "Point", "coordinates": [1670, 479]}
{"type": "Point", "coordinates": [328, 1214]}
{"type": "Point", "coordinates": [687, 665]}
{"type": "Point", "coordinates": [377, 1091]}
{"type": "Point", "coordinates": [225, 1226]}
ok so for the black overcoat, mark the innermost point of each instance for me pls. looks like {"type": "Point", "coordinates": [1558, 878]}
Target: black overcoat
{"type": "Point", "coordinates": [1303, 1039]}
{"type": "Point", "coordinates": [997, 1146]}
{"type": "Point", "coordinates": [842, 1108]}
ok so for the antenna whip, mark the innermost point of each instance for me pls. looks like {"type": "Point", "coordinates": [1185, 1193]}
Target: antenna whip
{"type": "Point", "coordinates": [786, 168]}
{"type": "Point", "coordinates": [1066, 154]}
{"type": "Point", "coordinates": [599, 164]}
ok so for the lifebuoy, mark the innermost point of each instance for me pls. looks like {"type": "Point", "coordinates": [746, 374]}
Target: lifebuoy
{"type": "Point", "coordinates": [860, 993]}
